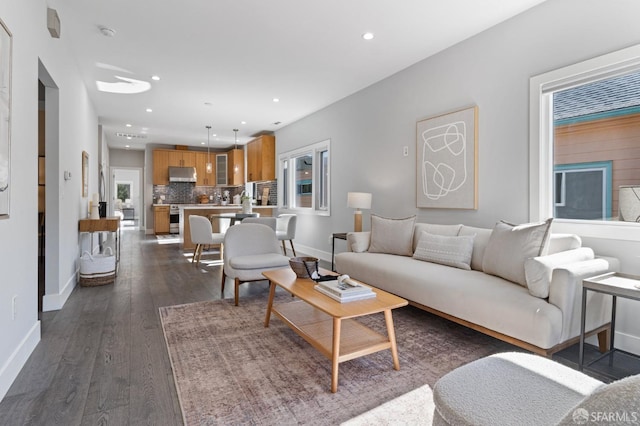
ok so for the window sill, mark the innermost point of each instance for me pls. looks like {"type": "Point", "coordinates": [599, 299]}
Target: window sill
{"type": "Point", "coordinates": [614, 230]}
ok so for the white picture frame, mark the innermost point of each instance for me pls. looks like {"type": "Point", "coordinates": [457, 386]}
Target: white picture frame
{"type": "Point", "coordinates": [5, 118]}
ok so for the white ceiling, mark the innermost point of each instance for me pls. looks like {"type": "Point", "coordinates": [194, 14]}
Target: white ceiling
{"type": "Point", "coordinates": [238, 55]}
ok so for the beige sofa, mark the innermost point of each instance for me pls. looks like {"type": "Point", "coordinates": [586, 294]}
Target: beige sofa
{"type": "Point", "coordinates": [537, 308]}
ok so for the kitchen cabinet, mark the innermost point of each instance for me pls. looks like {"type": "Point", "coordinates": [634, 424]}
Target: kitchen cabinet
{"type": "Point", "coordinates": [204, 178]}
{"type": "Point", "coordinates": [261, 159]}
{"type": "Point", "coordinates": [161, 220]}
{"type": "Point", "coordinates": [165, 158]}
{"type": "Point", "coordinates": [221, 170]}
{"type": "Point", "coordinates": [182, 158]}
{"type": "Point", "coordinates": [160, 167]}
{"type": "Point", "coordinates": [235, 167]}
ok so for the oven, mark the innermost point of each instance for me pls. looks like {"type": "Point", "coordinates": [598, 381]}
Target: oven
{"type": "Point", "coordinates": [174, 219]}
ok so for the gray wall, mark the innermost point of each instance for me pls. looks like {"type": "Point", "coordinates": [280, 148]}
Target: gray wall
{"type": "Point", "coordinates": [491, 70]}
{"type": "Point", "coordinates": [126, 158]}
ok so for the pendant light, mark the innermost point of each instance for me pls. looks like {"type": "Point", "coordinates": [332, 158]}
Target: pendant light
{"type": "Point", "coordinates": [209, 165]}
{"type": "Point", "coordinates": [235, 131]}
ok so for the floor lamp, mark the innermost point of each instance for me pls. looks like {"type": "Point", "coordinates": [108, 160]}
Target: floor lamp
{"type": "Point", "coordinates": [358, 201]}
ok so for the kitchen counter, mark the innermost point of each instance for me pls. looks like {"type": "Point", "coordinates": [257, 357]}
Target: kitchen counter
{"type": "Point", "coordinates": [187, 210]}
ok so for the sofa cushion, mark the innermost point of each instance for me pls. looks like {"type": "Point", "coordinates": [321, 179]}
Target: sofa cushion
{"type": "Point", "coordinates": [450, 251]}
{"type": "Point", "coordinates": [481, 238]}
{"type": "Point", "coordinates": [538, 270]}
{"type": "Point", "coordinates": [434, 229]}
{"type": "Point", "coordinates": [468, 295]}
{"type": "Point", "coordinates": [391, 236]}
{"type": "Point", "coordinates": [510, 245]}
{"type": "Point", "coordinates": [563, 242]}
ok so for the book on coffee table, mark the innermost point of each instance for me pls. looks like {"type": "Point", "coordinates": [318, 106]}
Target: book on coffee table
{"type": "Point", "coordinates": [344, 289]}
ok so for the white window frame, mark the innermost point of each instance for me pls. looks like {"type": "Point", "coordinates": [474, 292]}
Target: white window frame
{"type": "Point", "coordinates": [541, 197]}
{"type": "Point", "coordinates": [315, 151]}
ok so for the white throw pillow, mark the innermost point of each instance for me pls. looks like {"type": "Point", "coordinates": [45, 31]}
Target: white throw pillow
{"type": "Point", "coordinates": [445, 250]}
{"type": "Point", "coordinates": [434, 229]}
{"type": "Point", "coordinates": [510, 245]}
{"type": "Point", "coordinates": [391, 236]}
{"type": "Point", "coordinates": [359, 241]}
{"type": "Point", "coordinates": [539, 270]}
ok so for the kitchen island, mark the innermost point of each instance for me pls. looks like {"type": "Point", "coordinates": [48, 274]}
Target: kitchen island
{"type": "Point", "coordinates": [217, 225]}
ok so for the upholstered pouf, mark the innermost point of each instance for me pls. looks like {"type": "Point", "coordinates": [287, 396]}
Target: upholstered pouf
{"type": "Point", "coordinates": [510, 389]}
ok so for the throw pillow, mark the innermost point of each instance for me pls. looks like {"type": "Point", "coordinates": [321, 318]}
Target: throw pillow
{"type": "Point", "coordinates": [510, 245]}
{"type": "Point", "coordinates": [358, 241]}
{"type": "Point", "coordinates": [539, 270]}
{"type": "Point", "coordinates": [435, 229]}
{"type": "Point", "coordinates": [445, 250]}
{"type": "Point", "coordinates": [391, 236]}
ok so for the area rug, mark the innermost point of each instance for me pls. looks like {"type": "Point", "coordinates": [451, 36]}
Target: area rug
{"type": "Point", "coordinates": [230, 369]}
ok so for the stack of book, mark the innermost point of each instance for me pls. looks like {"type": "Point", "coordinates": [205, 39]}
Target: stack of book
{"type": "Point", "coordinates": [344, 289]}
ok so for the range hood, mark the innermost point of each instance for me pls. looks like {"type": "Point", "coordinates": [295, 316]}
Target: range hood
{"type": "Point", "coordinates": [182, 174]}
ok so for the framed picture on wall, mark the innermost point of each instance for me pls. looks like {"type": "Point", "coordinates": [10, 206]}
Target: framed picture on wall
{"type": "Point", "coordinates": [85, 174]}
{"type": "Point", "coordinates": [447, 160]}
{"type": "Point", "coordinates": [5, 118]}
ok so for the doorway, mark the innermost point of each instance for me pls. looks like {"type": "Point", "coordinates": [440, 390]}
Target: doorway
{"type": "Point", "coordinates": [48, 222]}
{"type": "Point", "coordinates": [126, 197]}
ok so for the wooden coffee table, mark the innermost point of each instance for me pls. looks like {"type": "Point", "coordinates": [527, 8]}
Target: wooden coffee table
{"type": "Point", "coordinates": [327, 325]}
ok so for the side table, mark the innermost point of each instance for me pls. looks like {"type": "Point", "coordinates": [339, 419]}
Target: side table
{"type": "Point", "coordinates": [617, 285]}
{"type": "Point", "coordinates": [339, 236]}
{"type": "Point", "coordinates": [104, 224]}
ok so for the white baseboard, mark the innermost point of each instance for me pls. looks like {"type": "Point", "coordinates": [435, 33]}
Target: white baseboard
{"type": "Point", "coordinates": [54, 302]}
{"type": "Point", "coordinates": [18, 358]}
{"type": "Point", "coordinates": [627, 342]}
{"type": "Point", "coordinates": [310, 251]}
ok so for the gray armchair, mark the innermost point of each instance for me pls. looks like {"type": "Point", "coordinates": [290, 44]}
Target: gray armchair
{"type": "Point", "coordinates": [249, 250]}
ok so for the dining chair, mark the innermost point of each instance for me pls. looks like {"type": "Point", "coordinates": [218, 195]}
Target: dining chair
{"type": "Point", "coordinates": [286, 230]}
{"type": "Point", "coordinates": [249, 250]}
{"type": "Point", "coordinates": [202, 234]}
{"type": "Point", "coordinates": [269, 221]}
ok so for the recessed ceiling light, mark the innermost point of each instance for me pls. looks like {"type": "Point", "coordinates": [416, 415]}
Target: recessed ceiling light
{"type": "Point", "coordinates": [243, 122]}
{"type": "Point", "coordinates": [128, 125]}
{"type": "Point", "coordinates": [149, 110]}
{"type": "Point", "coordinates": [368, 36]}
{"type": "Point", "coordinates": [125, 86]}
{"type": "Point", "coordinates": [214, 135]}
{"type": "Point", "coordinates": [202, 143]}
{"type": "Point", "coordinates": [127, 146]}
{"type": "Point", "coordinates": [276, 100]}
{"type": "Point", "coordinates": [129, 137]}
{"type": "Point", "coordinates": [155, 77]}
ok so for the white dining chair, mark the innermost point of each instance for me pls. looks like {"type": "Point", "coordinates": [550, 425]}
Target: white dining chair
{"type": "Point", "coordinates": [269, 221]}
{"type": "Point", "coordinates": [202, 235]}
{"type": "Point", "coordinates": [286, 230]}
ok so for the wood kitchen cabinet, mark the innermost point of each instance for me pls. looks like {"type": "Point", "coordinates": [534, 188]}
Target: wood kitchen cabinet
{"type": "Point", "coordinates": [235, 167]}
{"type": "Point", "coordinates": [161, 219]}
{"type": "Point", "coordinates": [261, 159]}
{"type": "Point", "coordinates": [160, 167]}
{"type": "Point", "coordinates": [182, 158]}
{"type": "Point", "coordinates": [204, 178]}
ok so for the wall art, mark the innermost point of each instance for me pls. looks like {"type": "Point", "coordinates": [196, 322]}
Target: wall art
{"type": "Point", "coordinates": [447, 160]}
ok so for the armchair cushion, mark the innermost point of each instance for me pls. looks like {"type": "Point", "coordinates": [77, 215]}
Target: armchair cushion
{"type": "Point", "coordinates": [259, 261]}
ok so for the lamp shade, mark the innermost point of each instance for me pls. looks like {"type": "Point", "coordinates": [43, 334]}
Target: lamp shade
{"type": "Point", "coordinates": [359, 200]}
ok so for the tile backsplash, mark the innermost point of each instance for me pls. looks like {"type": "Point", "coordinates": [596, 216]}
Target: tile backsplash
{"type": "Point", "coordinates": [188, 192]}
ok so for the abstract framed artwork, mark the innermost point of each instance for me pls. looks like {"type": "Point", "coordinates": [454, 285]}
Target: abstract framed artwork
{"type": "Point", "coordinates": [5, 118]}
{"type": "Point", "coordinates": [447, 160]}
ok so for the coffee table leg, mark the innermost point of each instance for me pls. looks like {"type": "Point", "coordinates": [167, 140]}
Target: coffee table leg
{"type": "Point", "coordinates": [335, 354]}
{"type": "Point", "coordinates": [272, 292]}
{"type": "Point", "coordinates": [392, 338]}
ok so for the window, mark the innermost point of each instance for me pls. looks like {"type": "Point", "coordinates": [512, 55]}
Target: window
{"type": "Point", "coordinates": [585, 145]}
{"type": "Point", "coordinates": [303, 179]}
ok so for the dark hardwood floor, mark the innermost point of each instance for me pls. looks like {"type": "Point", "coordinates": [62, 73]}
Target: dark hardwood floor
{"type": "Point", "coordinates": [102, 358]}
